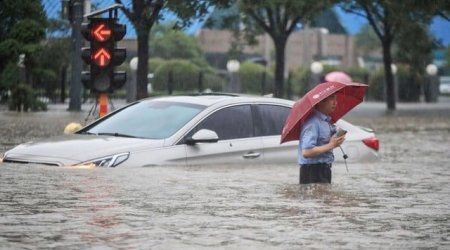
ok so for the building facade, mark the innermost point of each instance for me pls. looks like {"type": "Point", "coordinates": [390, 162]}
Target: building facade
{"type": "Point", "coordinates": [302, 48]}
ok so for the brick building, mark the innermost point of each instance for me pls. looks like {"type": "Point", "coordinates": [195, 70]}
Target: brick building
{"type": "Point", "coordinates": [302, 48]}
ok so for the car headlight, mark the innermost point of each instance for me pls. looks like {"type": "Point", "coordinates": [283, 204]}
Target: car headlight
{"type": "Point", "coordinates": [108, 161]}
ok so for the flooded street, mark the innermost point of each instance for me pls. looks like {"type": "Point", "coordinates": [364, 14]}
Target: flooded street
{"type": "Point", "coordinates": [401, 202]}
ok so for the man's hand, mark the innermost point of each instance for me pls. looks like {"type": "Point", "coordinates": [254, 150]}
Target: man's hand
{"type": "Point", "coordinates": [336, 141]}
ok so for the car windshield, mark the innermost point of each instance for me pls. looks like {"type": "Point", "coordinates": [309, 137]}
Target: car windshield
{"type": "Point", "coordinates": [152, 120]}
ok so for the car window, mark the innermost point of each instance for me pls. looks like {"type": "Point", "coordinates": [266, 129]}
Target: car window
{"type": "Point", "coordinates": [153, 120]}
{"type": "Point", "coordinates": [229, 123]}
{"type": "Point", "coordinates": [269, 119]}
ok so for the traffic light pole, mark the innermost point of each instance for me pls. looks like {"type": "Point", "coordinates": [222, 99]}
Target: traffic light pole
{"type": "Point", "coordinates": [103, 104]}
{"type": "Point", "coordinates": [103, 55]}
{"type": "Point", "coordinates": [75, 84]}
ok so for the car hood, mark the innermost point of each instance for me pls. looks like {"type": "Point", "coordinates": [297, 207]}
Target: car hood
{"type": "Point", "coordinates": [72, 149]}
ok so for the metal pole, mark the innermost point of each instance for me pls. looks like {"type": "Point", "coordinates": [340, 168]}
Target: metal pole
{"type": "Point", "coordinates": [75, 84]}
{"type": "Point", "coordinates": [200, 81]}
{"type": "Point", "coordinates": [103, 105]}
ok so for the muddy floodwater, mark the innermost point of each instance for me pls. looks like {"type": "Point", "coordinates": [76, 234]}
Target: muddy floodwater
{"type": "Point", "coordinates": [400, 202]}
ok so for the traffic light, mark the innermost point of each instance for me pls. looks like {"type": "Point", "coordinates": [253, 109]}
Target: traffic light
{"type": "Point", "coordinates": [103, 55]}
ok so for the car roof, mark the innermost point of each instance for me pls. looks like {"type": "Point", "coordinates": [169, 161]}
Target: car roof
{"type": "Point", "coordinates": [210, 99]}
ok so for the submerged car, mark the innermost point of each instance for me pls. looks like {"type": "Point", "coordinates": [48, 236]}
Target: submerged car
{"type": "Point", "coordinates": [186, 130]}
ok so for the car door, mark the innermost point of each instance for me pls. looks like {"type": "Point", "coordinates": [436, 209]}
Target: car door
{"type": "Point", "coordinates": [237, 143]}
{"type": "Point", "coordinates": [269, 122]}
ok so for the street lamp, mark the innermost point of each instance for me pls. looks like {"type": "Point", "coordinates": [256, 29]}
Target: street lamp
{"type": "Point", "coordinates": [316, 69]}
{"type": "Point", "coordinates": [234, 84]}
{"type": "Point", "coordinates": [432, 69]}
{"type": "Point", "coordinates": [131, 85]}
{"type": "Point", "coordinates": [394, 72]}
{"type": "Point", "coordinates": [431, 87]}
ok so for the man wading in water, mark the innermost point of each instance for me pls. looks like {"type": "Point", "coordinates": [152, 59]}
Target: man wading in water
{"type": "Point", "coordinates": [317, 141]}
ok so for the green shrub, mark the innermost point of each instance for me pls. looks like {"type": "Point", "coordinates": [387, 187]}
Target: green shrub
{"type": "Point", "coordinates": [213, 82]}
{"type": "Point", "coordinates": [359, 75]}
{"type": "Point", "coordinates": [254, 77]}
{"type": "Point", "coordinates": [300, 79]}
{"type": "Point", "coordinates": [376, 86]}
{"type": "Point", "coordinates": [184, 76]}
{"type": "Point", "coordinates": [23, 99]}
{"type": "Point", "coordinates": [154, 63]}
{"type": "Point", "coordinates": [409, 84]}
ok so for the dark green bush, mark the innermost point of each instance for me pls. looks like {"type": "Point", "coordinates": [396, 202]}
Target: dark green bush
{"type": "Point", "coordinates": [254, 77]}
{"type": "Point", "coordinates": [358, 75]}
{"type": "Point", "coordinates": [376, 86]}
{"type": "Point", "coordinates": [185, 76]}
{"type": "Point", "coordinates": [154, 63]}
{"type": "Point", "coordinates": [23, 99]}
{"type": "Point", "coordinates": [409, 85]}
{"type": "Point", "coordinates": [299, 82]}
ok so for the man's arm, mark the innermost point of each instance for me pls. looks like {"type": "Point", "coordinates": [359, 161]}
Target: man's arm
{"type": "Point", "coordinates": [318, 150]}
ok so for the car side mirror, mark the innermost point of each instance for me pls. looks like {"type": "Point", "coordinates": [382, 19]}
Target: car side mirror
{"type": "Point", "coordinates": [203, 136]}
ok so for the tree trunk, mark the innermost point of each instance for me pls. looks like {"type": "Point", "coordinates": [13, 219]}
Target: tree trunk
{"type": "Point", "coordinates": [280, 48]}
{"type": "Point", "coordinates": [142, 70]}
{"type": "Point", "coordinates": [387, 60]}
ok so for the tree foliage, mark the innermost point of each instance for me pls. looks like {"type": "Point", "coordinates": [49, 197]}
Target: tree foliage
{"type": "Point", "coordinates": [366, 41]}
{"type": "Point", "coordinates": [143, 14]}
{"type": "Point", "coordinates": [388, 18]}
{"type": "Point", "coordinates": [22, 27]}
{"type": "Point", "coordinates": [414, 46]}
{"type": "Point", "coordinates": [279, 18]}
{"type": "Point", "coordinates": [168, 43]}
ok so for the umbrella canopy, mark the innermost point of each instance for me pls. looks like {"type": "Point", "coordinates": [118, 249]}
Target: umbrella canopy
{"type": "Point", "coordinates": [338, 76]}
{"type": "Point", "coordinates": [348, 96]}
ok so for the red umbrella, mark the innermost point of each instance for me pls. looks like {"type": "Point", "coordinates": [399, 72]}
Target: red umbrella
{"type": "Point", "coordinates": [348, 96]}
{"type": "Point", "coordinates": [338, 76]}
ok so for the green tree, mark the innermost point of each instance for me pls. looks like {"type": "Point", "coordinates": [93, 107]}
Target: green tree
{"type": "Point", "coordinates": [171, 44]}
{"type": "Point", "coordinates": [279, 18]}
{"type": "Point", "coordinates": [143, 14]}
{"type": "Point", "coordinates": [366, 41]}
{"type": "Point", "coordinates": [414, 46]}
{"type": "Point", "coordinates": [22, 27]}
{"type": "Point", "coordinates": [388, 18]}
{"type": "Point", "coordinates": [53, 60]}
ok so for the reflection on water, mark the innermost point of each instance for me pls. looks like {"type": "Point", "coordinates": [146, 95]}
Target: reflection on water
{"type": "Point", "coordinates": [402, 202]}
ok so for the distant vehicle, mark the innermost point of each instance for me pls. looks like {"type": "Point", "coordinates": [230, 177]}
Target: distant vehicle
{"type": "Point", "coordinates": [444, 86]}
{"type": "Point", "coordinates": [186, 130]}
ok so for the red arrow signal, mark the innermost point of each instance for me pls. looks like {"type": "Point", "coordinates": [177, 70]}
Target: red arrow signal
{"type": "Point", "coordinates": [102, 57]}
{"type": "Point", "coordinates": [101, 32]}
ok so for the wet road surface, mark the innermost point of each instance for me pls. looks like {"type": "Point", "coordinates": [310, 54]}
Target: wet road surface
{"type": "Point", "coordinates": [401, 202]}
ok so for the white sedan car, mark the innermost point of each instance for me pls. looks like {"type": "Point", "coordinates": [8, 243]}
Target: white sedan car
{"type": "Point", "coordinates": [186, 130]}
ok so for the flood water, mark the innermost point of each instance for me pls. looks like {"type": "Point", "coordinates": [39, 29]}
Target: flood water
{"type": "Point", "coordinates": [401, 202]}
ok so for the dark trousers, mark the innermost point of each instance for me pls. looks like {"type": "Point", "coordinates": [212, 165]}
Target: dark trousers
{"type": "Point", "coordinates": [315, 173]}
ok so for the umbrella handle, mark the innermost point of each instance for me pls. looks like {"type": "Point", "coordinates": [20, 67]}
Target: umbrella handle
{"type": "Point", "coordinates": [345, 156]}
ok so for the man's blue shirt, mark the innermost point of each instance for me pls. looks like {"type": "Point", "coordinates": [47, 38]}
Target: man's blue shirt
{"type": "Point", "coordinates": [315, 132]}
